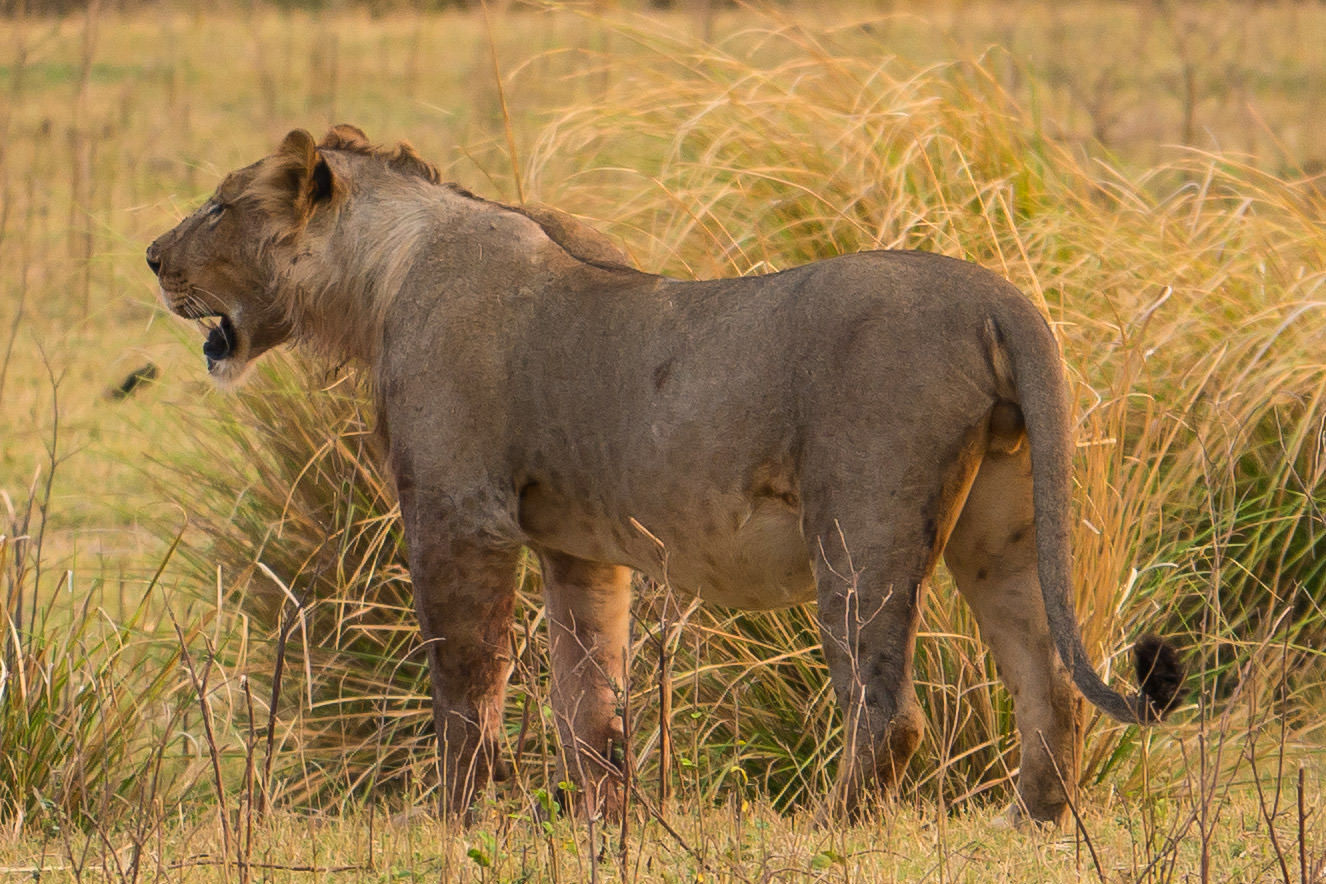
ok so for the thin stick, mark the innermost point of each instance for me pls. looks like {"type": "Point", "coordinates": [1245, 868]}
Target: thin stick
{"type": "Point", "coordinates": [1302, 831]}
{"type": "Point", "coordinates": [200, 687]}
{"type": "Point", "coordinates": [205, 860]}
{"type": "Point", "coordinates": [628, 760]}
{"type": "Point", "coordinates": [278, 670]}
{"type": "Point", "coordinates": [43, 505]}
{"type": "Point", "coordinates": [664, 706]}
{"type": "Point", "coordinates": [246, 836]}
{"type": "Point", "coordinates": [1269, 813]}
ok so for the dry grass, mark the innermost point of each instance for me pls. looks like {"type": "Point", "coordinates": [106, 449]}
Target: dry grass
{"type": "Point", "coordinates": [1186, 286]}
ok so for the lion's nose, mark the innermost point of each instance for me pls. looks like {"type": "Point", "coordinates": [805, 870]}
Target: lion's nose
{"type": "Point", "coordinates": [153, 260]}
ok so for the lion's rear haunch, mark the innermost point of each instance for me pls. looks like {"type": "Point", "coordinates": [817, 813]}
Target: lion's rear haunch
{"type": "Point", "coordinates": [1160, 674]}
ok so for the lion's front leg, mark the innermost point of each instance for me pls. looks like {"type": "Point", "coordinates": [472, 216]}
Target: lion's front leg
{"type": "Point", "coordinates": [464, 594]}
{"type": "Point", "coordinates": [588, 608]}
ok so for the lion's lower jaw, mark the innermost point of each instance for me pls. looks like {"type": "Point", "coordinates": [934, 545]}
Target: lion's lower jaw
{"type": "Point", "coordinates": [227, 374]}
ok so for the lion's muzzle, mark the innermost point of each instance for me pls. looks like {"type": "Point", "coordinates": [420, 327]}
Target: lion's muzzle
{"type": "Point", "coordinates": [222, 337]}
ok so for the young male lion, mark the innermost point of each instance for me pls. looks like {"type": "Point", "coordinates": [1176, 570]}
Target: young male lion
{"type": "Point", "coordinates": [825, 432]}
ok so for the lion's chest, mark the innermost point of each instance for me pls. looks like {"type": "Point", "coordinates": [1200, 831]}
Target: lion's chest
{"type": "Point", "coordinates": [740, 550]}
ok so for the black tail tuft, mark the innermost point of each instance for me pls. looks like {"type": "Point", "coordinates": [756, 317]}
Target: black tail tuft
{"type": "Point", "coordinates": [1161, 675]}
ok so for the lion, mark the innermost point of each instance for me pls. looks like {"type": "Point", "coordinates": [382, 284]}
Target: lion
{"type": "Point", "coordinates": [826, 432]}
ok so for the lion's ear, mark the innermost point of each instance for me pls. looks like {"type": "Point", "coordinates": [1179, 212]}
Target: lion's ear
{"type": "Point", "coordinates": [298, 147]}
{"type": "Point", "coordinates": [295, 179]}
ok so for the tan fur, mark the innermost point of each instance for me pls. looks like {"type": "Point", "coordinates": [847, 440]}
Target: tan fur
{"type": "Point", "coordinates": [827, 432]}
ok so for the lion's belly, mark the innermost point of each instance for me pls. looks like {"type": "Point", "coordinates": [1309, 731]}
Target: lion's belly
{"type": "Point", "coordinates": [742, 553]}
{"type": "Point", "coordinates": [760, 564]}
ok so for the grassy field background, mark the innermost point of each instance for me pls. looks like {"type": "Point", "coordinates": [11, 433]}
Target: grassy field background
{"type": "Point", "coordinates": [209, 669]}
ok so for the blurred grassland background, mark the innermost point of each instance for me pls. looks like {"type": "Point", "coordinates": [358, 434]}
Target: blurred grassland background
{"type": "Point", "coordinates": [1150, 173]}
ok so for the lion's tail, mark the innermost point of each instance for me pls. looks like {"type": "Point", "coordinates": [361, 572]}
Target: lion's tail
{"type": "Point", "coordinates": [1042, 394]}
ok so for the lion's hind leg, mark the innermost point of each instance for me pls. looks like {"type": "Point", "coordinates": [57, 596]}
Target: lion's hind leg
{"type": "Point", "coordinates": [992, 556]}
{"type": "Point", "coordinates": [868, 593]}
{"type": "Point", "coordinates": [588, 608]}
{"type": "Point", "coordinates": [876, 520]}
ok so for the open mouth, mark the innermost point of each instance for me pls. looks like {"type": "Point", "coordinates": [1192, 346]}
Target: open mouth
{"type": "Point", "coordinates": [221, 339]}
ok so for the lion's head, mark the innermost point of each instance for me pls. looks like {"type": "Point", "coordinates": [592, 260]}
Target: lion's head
{"type": "Point", "coordinates": [217, 266]}
{"type": "Point", "coordinates": [311, 243]}
{"type": "Point", "coordinates": [233, 265]}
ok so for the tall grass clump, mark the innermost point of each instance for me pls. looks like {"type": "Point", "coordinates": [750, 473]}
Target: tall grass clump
{"type": "Point", "coordinates": [291, 515]}
{"type": "Point", "coordinates": [90, 715]}
{"type": "Point", "coordinates": [1188, 299]}
{"type": "Point", "coordinates": [293, 519]}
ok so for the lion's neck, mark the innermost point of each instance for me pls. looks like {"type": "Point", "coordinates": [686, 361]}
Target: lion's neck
{"type": "Point", "coordinates": [341, 295]}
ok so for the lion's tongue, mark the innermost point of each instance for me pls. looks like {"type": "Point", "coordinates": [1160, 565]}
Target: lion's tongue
{"type": "Point", "coordinates": [220, 342]}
